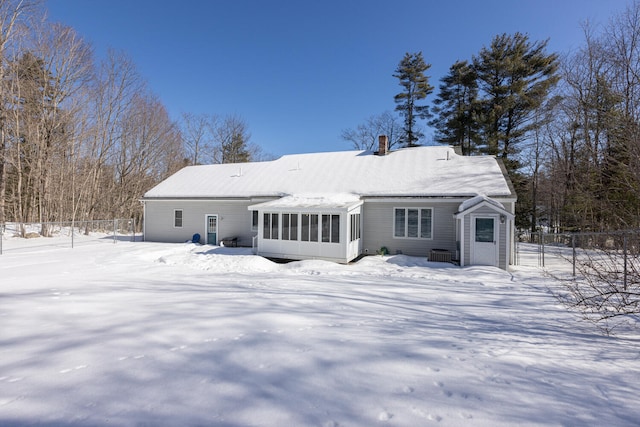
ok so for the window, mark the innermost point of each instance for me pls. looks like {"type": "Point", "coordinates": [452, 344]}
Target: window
{"type": "Point", "coordinates": [270, 226]}
{"type": "Point", "coordinates": [289, 226]}
{"type": "Point", "coordinates": [309, 228]}
{"type": "Point", "coordinates": [484, 230]}
{"type": "Point", "coordinates": [331, 228]}
{"type": "Point", "coordinates": [254, 220]}
{"type": "Point", "coordinates": [177, 218]}
{"type": "Point", "coordinates": [413, 223]}
{"type": "Point", "coordinates": [355, 226]}
{"type": "Point", "coordinates": [425, 223]}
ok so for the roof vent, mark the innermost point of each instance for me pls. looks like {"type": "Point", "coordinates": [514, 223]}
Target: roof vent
{"type": "Point", "coordinates": [383, 145]}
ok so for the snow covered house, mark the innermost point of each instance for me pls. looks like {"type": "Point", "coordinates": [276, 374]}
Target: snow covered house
{"type": "Point", "coordinates": [419, 201]}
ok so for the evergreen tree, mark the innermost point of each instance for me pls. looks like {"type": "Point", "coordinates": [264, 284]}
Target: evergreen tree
{"type": "Point", "coordinates": [235, 151]}
{"type": "Point", "coordinates": [416, 86]}
{"type": "Point", "coordinates": [456, 109]}
{"type": "Point", "coordinates": [515, 77]}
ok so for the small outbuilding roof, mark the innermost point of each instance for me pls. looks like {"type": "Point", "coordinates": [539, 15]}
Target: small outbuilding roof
{"type": "Point", "coordinates": [433, 171]}
{"type": "Point", "coordinates": [479, 201]}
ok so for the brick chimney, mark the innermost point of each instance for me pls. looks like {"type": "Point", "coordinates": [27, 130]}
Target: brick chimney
{"type": "Point", "coordinates": [383, 147]}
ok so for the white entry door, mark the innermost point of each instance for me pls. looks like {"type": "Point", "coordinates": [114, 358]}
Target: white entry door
{"type": "Point", "coordinates": [484, 240]}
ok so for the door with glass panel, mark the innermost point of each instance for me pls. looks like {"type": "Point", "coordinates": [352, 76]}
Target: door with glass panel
{"type": "Point", "coordinates": [484, 235]}
{"type": "Point", "coordinates": [212, 229]}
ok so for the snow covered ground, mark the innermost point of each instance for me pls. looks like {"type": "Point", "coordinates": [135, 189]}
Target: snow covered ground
{"type": "Point", "coordinates": [148, 334]}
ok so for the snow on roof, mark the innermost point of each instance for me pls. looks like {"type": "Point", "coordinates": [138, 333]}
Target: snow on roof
{"type": "Point", "coordinates": [411, 172]}
{"type": "Point", "coordinates": [338, 200]}
{"type": "Point", "coordinates": [468, 204]}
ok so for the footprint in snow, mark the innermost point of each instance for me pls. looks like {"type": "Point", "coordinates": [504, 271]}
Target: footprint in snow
{"type": "Point", "coordinates": [406, 389]}
{"type": "Point", "coordinates": [425, 414]}
{"type": "Point", "coordinates": [384, 416]}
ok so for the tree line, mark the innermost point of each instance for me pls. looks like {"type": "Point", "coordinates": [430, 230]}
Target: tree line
{"type": "Point", "coordinates": [566, 127]}
{"type": "Point", "coordinates": [84, 139]}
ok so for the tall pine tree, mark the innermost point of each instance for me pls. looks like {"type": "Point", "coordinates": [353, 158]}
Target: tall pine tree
{"type": "Point", "coordinates": [515, 77]}
{"type": "Point", "coordinates": [456, 109]}
{"type": "Point", "coordinates": [416, 87]}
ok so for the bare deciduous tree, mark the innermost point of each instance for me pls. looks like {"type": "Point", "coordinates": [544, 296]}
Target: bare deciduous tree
{"type": "Point", "coordinates": [606, 290]}
{"type": "Point", "coordinates": [197, 136]}
{"type": "Point", "coordinates": [365, 135]}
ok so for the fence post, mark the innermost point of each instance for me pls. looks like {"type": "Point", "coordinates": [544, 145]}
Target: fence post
{"type": "Point", "coordinates": [541, 249]}
{"type": "Point", "coordinates": [1, 236]}
{"type": "Point", "coordinates": [624, 249]}
{"type": "Point", "coordinates": [115, 225]}
{"type": "Point", "coordinates": [573, 252]}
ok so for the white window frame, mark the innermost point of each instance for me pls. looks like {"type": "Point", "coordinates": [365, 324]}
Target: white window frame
{"type": "Point", "coordinates": [406, 223]}
{"type": "Point", "coordinates": [331, 228]}
{"type": "Point", "coordinates": [287, 232]}
{"type": "Point", "coordinates": [354, 220]}
{"type": "Point", "coordinates": [255, 215]}
{"type": "Point", "coordinates": [175, 218]}
{"type": "Point", "coordinates": [274, 234]}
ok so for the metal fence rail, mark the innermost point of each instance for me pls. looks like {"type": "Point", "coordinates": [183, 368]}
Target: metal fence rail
{"type": "Point", "coordinates": [15, 236]}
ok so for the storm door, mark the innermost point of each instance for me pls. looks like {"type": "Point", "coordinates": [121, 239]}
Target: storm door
{"type": "Point", "coordinates": [484, 241]}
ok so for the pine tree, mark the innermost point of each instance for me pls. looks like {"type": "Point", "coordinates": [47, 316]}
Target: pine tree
{"type": "Point", "coordinates": [456, 109]}
{"type": "Point", "coordinates": [515, 77]}
{"type": "Point", "coordinates": [416, 86]}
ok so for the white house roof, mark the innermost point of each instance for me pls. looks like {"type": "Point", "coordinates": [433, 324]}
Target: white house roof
{"type": "Point", "coordinates": [335, 201]}
{"type": "Point", "coordinates": [434, 171]}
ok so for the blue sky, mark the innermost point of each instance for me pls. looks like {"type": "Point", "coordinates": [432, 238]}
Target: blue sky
{"type": "Point", "coordinates": [299, 72]}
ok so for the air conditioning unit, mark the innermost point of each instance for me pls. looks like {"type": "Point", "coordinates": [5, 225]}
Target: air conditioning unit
{"type": "Point", "coordinates": [440, 255]}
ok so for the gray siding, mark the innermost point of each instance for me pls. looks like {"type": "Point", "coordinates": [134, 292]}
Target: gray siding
{"type": "Point", "coordinates": [378, 222]}
{"type": "Point", "coordinates": [234, 220]}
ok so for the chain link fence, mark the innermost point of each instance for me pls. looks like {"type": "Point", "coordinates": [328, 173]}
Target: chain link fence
{"type": "Point", "coordinates": [600, 273]}
{"type": "Point", "coordinates": [622, 248]}
{"type": "Point", "coordinates": [30, 236]}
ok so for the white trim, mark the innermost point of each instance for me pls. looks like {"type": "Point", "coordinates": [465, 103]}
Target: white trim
{"type": "Point", "coordinates": [493, 207]}
{"type": "Point", "coordinates": [206, 228]}
{"type": "Point", "coordinates": [181, 210]}
{"type": "Point", "coordinates": [462, 234]}
{"type": "Point", "coordinates": [406, 222]}
{"type": "Point", "coordinates": [144, 221]}
{"type": "Point", "coordinates": [496, 236]}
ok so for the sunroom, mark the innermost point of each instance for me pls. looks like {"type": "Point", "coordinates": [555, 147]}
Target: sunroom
{"type": "Point", "coordinates": [310, 227]}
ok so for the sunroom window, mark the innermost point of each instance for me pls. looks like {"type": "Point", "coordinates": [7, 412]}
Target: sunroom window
{"type": "Point", "coordinates": [270, 226]}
